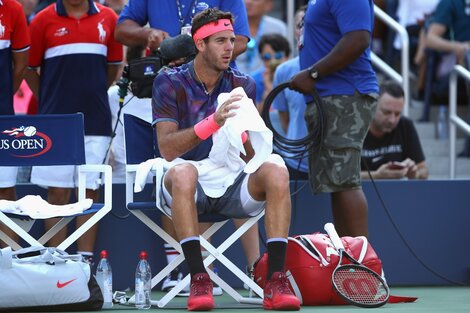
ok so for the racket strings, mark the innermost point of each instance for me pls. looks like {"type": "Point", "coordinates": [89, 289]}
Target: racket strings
{"type": "Point", "coordinates": [360, 285]}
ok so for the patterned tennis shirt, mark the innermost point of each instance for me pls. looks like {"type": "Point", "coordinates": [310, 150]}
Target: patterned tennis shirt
{"type": "Point", "coordinates": [179, 97]}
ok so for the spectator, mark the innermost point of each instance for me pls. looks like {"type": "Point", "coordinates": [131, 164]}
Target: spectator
{"type": "Point", "coordinates": [260, 23]}
{"type": "Point", "coordinates": [291, 106]}
{"type": "Point", "coordinates": [273, 49]}
{"type": "Point", "coordinates": [62, 33]}
{"type": "Point", "coordinates": [449, 32]}
{"type": "Point", "coordinates": [178, 134]}
{"type": "Point", "coordinates": [170, 18]}
{"type": "Point", "coordinates": [392, 149]}
{"type": "Point", "coordinates": [412, 15]}
{"type": "Point", "coordinates": [13, 61]}
{"type": "Point", "coordinates": [335, 59]}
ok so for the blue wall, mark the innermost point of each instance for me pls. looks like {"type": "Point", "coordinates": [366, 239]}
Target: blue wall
{"type": "Point", "coordinates": [432, 217]}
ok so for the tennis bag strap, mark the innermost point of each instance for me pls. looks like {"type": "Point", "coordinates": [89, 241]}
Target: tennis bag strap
{"type": "Point", "coordinates": [310, 262]}
{"type": "Point", "coordinates": [47, 280]}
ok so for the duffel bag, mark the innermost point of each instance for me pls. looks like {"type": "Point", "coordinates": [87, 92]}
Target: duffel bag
{"type": "Point", "coordinates": [310, 262]}
{"type": "Point", "coordinates": [46, 279]}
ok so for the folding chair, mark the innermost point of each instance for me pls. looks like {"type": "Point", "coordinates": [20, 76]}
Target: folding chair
{"type": "Point", "coordinates": [140, 146]}
{"type": "Point", "coordinates": [45, 140]}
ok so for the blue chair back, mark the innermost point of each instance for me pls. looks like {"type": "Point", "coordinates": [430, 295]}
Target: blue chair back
{"type": "Point", "coordinates": [55, 139]}
{"type": "Point", "coordinates": [139, 139]}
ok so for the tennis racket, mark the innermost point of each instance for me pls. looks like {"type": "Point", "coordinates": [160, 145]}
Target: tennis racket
{"type": "Point", "coordinates": [354, 282]}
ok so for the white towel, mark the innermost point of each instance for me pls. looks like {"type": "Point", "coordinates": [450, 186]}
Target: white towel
{"type": "Point", "coordinates": [227, 141]}
{"type": "Point", "coordinates": [38, 208]}
{"type": "Point", "coordinates": [221, 168]}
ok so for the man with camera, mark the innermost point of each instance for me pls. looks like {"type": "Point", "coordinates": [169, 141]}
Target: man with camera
{"type": "Point", "coordinates": [185, 116]}
{"type": "Point", "coordinates": [168, 18]}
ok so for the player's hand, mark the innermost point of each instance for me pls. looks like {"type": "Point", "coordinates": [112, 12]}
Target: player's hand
{"type": "Point", "coordinates": [225, 111]}
{"type": "Point", "coordinates": [155, 38]}
{"type": "Point", "coordinates": [302, 82]}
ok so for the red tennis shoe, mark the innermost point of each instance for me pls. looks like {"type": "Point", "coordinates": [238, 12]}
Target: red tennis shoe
{"type": "Point", "coordinates": [200, 294]}
{"type": "Point", "coordinates": [277, 294]}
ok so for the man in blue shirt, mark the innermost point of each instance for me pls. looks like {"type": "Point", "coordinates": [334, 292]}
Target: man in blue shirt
{"type": "Point", "coordinates": [335, 59]}
{"type": "Point", "coordinates": [170, 18]}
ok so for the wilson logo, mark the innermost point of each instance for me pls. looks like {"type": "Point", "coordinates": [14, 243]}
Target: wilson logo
{"type": "Point", "coordinates": [62, 285]}
{"type": "Point", "coordinates": [25, 142]}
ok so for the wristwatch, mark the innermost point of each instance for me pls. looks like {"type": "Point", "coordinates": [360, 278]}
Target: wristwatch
{"type": "Point", "coordinates": [314, 74]}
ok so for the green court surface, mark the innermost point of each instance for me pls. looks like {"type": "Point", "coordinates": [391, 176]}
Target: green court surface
{"type": "Point", "coordinates": [430, 299]}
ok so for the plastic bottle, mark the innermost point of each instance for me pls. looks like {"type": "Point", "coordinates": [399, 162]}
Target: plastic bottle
{"type": "Point", "coordinates": [143, 276]}
{"type": "Point", "coordinates": [442, 126]}
{"type": "Point", "coordinates": [104, 277]}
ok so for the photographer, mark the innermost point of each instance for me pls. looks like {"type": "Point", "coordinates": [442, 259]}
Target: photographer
{"type": "Point", "coordinates": [168, 18]}
{"type": "Point", "coordinates": [132, 105]}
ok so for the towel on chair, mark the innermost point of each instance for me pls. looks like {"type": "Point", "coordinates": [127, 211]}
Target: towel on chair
{"type": "Point", "coordinates": [38, 208]}
{"type": "Point", "coordinates": [224, 164]}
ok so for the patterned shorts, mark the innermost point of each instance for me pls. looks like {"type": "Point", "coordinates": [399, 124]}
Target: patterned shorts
{"type": "Point", "coordinates": [336, 166]}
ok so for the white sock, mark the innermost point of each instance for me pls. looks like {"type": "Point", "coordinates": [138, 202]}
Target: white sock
{"type": "Point", "coordinates": [170, 253]}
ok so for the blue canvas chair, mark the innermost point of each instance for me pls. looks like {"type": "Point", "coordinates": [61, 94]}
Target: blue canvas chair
{"type": "Point", "coordinates": [140, 146]}
{"type": "Point", "coordinates": [46, 140]}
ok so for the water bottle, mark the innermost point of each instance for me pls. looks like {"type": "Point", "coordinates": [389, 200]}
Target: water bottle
{"type": "Point", "coordinates": [143, 277]}
{"type": "Point", "coordinates": [442, 126]}
{"type": "Point", "coordinates": [104, 277]}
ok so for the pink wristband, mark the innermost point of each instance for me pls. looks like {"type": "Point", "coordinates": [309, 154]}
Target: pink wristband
{"type": "Point", "coordinates": [205, 128]}
{"type": "Point", "coordinates": [244, 137]}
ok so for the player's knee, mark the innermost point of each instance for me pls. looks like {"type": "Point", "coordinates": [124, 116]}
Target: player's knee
{"type": "Point", "coordinates": [276, 175]}
{"type": "Point", "coordinates": [183, 177]}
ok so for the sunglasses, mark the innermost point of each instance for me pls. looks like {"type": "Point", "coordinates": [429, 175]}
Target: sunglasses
{"type": "Point", "coordinates": [277, 55]}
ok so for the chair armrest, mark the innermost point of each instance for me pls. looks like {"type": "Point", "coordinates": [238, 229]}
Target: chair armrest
{"type": "Point", "coordinates": [106, 180]}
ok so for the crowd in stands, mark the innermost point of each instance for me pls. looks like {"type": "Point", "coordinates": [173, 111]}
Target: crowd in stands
{"type": "Point", "coordinates": [439, 31]}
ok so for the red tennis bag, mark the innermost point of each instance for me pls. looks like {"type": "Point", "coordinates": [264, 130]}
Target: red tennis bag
{"type": "Point", "coordinates": [310, 262]}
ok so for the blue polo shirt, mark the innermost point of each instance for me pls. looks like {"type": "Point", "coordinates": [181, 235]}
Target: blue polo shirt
{"type": "Point", "coordinates": [73, 56]}
{"type": "Point", "coordinates": [326, 22]}
{"type": "Point", "coordinates": [178, 97]}
{"type": "Point", "coordinates": [163, 14]}
{"type": "Point", "coordinates": [14, 37]}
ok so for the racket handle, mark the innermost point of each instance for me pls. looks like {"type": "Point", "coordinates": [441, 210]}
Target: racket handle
{"type": "Point", "coordinates": [331, 231]}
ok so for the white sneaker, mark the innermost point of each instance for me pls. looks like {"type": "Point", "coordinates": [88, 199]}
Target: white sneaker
{"type": "Point", "coordinates": [172, 279]}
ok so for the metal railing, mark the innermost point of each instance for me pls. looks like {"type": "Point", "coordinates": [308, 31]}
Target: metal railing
{"type": "Point", "coordinates": [405, 57]}
{"type": "Point", "coordinates": [454, 120]}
